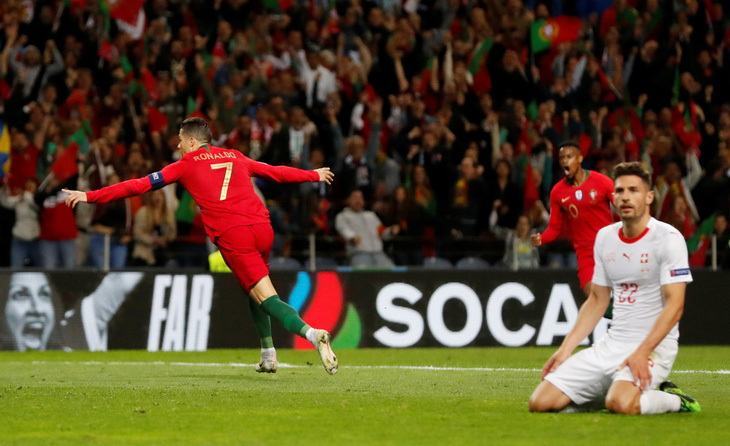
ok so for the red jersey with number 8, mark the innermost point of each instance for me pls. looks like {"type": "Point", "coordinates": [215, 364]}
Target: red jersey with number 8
{"type": "Point", "coordinates": [219, 181]}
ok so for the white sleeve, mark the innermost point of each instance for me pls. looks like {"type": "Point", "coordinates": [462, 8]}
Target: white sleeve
{"type": "Point", "coordinates": [599, 273]}
{"type": "Point", "coordinates": [674, 260]}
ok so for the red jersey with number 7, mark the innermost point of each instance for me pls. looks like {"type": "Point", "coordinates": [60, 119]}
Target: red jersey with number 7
{"type": "Point", "coordinates": [219, 181]}
{"type": "Point", "coordinates": [580, 211]}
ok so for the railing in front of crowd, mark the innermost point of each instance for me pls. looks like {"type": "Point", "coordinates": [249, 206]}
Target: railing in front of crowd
{"type": "Point", "coordinates": [314, 252]}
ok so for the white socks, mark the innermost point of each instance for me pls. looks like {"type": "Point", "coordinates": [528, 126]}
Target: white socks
{"type": "Point", "coordinates": [656, 401]}
{"type": "Point", "coordinates": [268, 353]}
{"type": "Point", "coordinates": [311, 336]}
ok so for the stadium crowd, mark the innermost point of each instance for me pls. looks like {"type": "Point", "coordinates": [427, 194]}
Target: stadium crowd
{"type": "Point", "coordinates": [440, 119]}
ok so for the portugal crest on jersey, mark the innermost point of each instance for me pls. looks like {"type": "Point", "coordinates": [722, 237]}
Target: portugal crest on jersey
{"type": "Point", "coordinates": [593, 194]}
{"type": "Point", "coordinates": [579, 195]}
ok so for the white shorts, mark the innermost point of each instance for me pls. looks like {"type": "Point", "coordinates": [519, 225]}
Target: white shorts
{"type": "Point", "coordinates": [587, 375]}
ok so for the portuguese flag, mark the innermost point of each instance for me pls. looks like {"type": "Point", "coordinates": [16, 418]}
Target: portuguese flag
{"type": "Point", "coordinates": [699, 242]}
{"type": "Point", "coordinates": [125, 10]}
{"type": "Point", "coordinates": [478, 67]}
{"type": "Point", "coordinates": [553, 31]}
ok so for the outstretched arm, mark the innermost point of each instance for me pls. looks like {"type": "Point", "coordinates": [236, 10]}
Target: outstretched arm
{"type": "Point", "coordinates": [130, 188]}
{"type": "Point", "coordinates": [285, 174]}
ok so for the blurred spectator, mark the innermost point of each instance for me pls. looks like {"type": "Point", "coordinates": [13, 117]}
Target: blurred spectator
{"type": "Point", "coordinates": [111, 220]}
{"type": "Point", "coordinates": [364, 234]}
{"type": "Point", "coordinates": [57, 245]}
{"type": "Point", "coordinates": [722, 232]}
{"type": "Point", "coordinates": [681, 218]}
{"type": "Point", "coordinates": [154, 229]}
{"type": "Point", "coordinates": [468, 196]}
{"type": "Point", "coordinates": [671, 185]}
{"type": "Point", "coordinates": [24, 245]}
{"type": "Point", "coordinates": [518, 251]}
{"type": "Point", "coordinates": [506, 199]}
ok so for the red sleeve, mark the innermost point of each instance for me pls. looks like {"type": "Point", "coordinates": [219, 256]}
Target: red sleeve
{"type": "Point", "coordinates": [281, 174]}
{"type": "Point", "coordinates": [609, 189]}
{"type": "Point", "coordinates": [556, 220]}
{"type": "Point", "coordinates": [129, 188]}
{"type": "Point", "coordinates": [132, 188]}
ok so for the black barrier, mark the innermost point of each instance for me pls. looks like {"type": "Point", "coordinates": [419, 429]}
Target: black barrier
{"type": "Point", "coordinates": [184, 311]}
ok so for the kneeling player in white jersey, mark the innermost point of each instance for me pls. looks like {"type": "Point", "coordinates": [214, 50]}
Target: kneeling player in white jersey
{"type": "Point", "coordinates": [644, 262]}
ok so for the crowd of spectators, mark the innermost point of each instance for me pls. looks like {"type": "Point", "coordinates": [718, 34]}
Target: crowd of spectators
{"type": "Point", "coordinates": [437, 112]}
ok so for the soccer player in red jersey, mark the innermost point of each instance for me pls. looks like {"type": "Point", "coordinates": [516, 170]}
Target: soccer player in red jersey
{"type": "Point", "coordinates": [236, 221]}
{"type": "Point", "coordinates": [582, 201]}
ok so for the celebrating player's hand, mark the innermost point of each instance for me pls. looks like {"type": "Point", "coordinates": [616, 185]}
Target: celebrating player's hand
{"type": "Point", "coordinates": [638, 362]}
{"type": "Point", "coordinates": [536, 239]}
{"type": "Point", "coordinates": [325, 175]}
{"type": "Point", "coordinates": [75, 196]}
{"type": "Point", "coordinates": [554, 362]}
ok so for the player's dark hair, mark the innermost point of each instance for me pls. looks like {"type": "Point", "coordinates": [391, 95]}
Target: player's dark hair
{"type": "Point", "coordinates": [632, 168]}
{"type": "Point", "coordinates": [570, 143]}
{"type": "Point", "coordinates": [197, 128]}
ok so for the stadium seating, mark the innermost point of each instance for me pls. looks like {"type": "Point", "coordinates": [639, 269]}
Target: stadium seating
{"type": "Point", "coordinates": [436, 263]}
{"type": "Point", "coordinates": [284, 264]}
{"type": "Point", "coordinates": [472, 263]}
{"type": "Point", "coordinates": [321, 264]}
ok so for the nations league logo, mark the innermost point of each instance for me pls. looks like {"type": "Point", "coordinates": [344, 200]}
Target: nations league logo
{"type": "Point", "coordinates": [324, 308]}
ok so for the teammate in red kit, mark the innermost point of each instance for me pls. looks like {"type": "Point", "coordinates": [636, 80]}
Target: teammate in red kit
{"type": "Point", "coordinates": [582, 201]}
{"type": "Point", "coordinates": [236, 221]}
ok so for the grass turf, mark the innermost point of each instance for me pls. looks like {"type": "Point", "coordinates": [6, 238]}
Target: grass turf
{"type": "Point", "coordinates": [133, 397]}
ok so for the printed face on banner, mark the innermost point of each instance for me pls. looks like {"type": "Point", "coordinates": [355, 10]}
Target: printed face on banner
{"type": "Point", "coordinates": [29, 311]}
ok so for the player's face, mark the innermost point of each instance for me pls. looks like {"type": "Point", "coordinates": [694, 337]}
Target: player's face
{"type": "Point", "coordinates": [570, 159]}
{"type": "Point", "coordinates": [185, 144]}
{"type": "Point", "coordinates": [631, 197]}
{"type": "Point", "coordinates": [29, 310]}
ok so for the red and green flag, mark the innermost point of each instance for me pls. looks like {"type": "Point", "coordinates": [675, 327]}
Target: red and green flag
{"type": "Point", "coordinates": [65, 165]}
{"type": "Point", "coordinates": [124, 10]}
{"type": "Point", "coordinates": [546, 33]}
{"type": "Point", "coordinates": [277, 5]}
{"type": "Point", "coordinates": [478, 67]}
{"type": "Point", "coordinates": [81, 140]}
{"type": "Point", "coordinates": [699, 242]}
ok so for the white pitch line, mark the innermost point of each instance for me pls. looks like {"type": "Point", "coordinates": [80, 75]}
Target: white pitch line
{"type": "Point", "coordinates": [354, 367]}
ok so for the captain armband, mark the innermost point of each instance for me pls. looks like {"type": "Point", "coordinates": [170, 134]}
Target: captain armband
{"type": "Point", "coordinates": [156, 180]}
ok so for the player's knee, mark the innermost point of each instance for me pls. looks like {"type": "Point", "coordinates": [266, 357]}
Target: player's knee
{"type": "Point", "coordinates": [622, 405]}
{"type": "Point", "coordinates": [539, 403]}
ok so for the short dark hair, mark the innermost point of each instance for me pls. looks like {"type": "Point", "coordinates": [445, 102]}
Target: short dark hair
{"type": "Point", "coordinates": [198, 128]}
{"type": "Point", "coordinates": [570, 143]}
{"type": "Point", "coordinates": [632, 168]}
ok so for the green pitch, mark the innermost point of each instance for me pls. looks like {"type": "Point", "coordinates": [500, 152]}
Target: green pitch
{"type": "Point", "coordinates": [211, 398]}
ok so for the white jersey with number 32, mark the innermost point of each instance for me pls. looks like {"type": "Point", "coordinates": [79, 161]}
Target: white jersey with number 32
{"type": "Point", "coordinates": [636, 269]}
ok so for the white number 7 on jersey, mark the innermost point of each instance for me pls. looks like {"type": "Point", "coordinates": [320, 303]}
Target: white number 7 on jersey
{"type": "Point", "coordinates": [226, 179]}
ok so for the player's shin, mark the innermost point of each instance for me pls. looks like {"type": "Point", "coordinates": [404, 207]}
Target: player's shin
{"type": "Point", "coordinates": [262, 323]}
{"type": "Point", "coordinates": [285, 314]}
{"type": "Point", "coordinates": [656, 401]}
